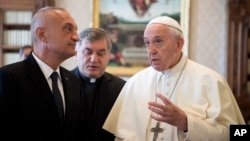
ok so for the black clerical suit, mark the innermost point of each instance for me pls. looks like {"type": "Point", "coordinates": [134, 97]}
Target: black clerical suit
{"type": "Point", "coordinates": [27, 108]}
{"type": "Point", "coordinates": [100, 96]}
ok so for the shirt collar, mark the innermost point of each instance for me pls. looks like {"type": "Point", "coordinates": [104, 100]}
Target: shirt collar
{"type": "Point", "coordinates": [47, 70]}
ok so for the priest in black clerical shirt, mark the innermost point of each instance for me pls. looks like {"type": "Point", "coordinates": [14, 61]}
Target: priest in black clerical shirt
{"type": "Point", "coordinates": [100, 88]}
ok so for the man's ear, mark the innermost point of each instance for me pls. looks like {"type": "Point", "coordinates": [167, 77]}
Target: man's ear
{"type": "Point", "coordinates": [40, 33]}
{"type": "Point", "coordinates": [180, 43]}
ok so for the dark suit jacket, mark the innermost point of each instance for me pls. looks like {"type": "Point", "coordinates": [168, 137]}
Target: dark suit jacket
{"type": "Point", "coordinates": [27, 108]}
{"type": "Point", "coordinates": [106, 92]}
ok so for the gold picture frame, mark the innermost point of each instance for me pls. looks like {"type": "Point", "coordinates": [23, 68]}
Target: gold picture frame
{"type": "Point", "coordinates": [126, 71]}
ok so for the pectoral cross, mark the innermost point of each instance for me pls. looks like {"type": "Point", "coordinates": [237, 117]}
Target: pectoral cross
{"type": "Point", "coordinates": [156, 131]}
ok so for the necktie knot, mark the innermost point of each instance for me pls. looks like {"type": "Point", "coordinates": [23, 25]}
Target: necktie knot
{"type": "Point", "coordinates": [54, 76]}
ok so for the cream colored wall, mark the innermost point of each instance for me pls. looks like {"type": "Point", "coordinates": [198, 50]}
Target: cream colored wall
{"type": "Point", "coordinates": [208, 34]}
{"type": "Point", "coordinates": [79, 9]}
{"type": "Point", "coordinates": [207, 30]}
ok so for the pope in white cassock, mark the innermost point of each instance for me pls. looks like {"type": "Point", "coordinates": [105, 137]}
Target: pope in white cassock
{"type": "Point", "coordinates": [174, 99]}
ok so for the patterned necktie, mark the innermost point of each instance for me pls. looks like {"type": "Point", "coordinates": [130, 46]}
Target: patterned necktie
{"type": "Point", "coordinates": [57, 96]}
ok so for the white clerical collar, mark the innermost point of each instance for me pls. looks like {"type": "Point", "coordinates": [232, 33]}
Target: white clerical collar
{"type": "Point", "coordinates": [88, 79]}
{"type": "Point", "coordinates": [92, 80]}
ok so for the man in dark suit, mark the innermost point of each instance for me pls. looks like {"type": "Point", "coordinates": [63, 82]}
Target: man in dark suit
{"type": "Point", "coordinates": [100, 88]}
{"type": "Point", "coordinates": [28, 110]}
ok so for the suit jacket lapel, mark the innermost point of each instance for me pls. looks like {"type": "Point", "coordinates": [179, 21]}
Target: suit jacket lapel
{"type": "Point", "coordinates": [40, 83]}
{"type": "Point", "coordinates": [68, 90]}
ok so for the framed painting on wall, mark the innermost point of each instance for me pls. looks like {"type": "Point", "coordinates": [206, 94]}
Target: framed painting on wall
{"type": "Point", "coordinates": [125, 21]}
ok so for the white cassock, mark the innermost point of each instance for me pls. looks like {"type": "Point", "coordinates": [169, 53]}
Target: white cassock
{"type": "Point", "coordinates": [203, 94]}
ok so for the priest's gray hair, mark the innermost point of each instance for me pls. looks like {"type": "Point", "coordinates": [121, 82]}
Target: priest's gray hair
{"type": "Point", "coordinates": [93, 34]}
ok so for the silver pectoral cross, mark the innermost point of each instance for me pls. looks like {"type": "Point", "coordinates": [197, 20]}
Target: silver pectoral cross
{"type": "Point", "coordinates": [156, 131]}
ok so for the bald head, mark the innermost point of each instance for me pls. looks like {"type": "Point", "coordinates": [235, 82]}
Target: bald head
{"type": "Point", "coordinates": [54, 35]}
{"type": "Point", "coordinates": [41, 18]}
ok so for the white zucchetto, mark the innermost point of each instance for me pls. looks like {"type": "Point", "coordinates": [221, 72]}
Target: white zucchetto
{"type": "Point", "coordinates": [167, 21]}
